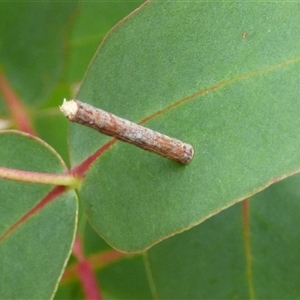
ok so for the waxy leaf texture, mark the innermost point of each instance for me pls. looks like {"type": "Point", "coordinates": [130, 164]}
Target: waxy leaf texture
{"type": "Point", "coordinates": [222, 76]}
{"type": "Point", "coordinates": [38, 222]}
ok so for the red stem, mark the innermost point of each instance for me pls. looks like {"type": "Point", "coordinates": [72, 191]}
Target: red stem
{"type": "Point", "coordinates": [96, 261]}
{"type": "Point", "coordinates": [15, 106]}
{"type": "Point", "coordinates": [57, 191]}
{"type": "Point", "coordinates": [65, 179]}
{"type": "Point", "coordinates": [85, 273]}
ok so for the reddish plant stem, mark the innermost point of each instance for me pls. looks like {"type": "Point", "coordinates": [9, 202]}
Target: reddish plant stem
{"type": "Point", "coordinates": [107, 258]}
{"type": "Point", "coordinates": [85, 273]}
{"type": "Point", "coordinates": [15, 106]}
{"type": "Point", "coordinates": [57, 191]}
{"type": "Point", "coordinates": [96, 262]}
{"type": "Point", "coordinates": [38, 177]}
{"type": "Point", "coordinates": [80, 170]}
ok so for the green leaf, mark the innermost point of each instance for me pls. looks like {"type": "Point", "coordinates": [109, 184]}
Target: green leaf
{"type": "Point", "coordinates": [119, 275]}
{"type": "Point", "coordinates": [33, 44]}
{"type": "Point", "coordinates": [70, 291]}
{"type": "Point", "coordinates": [216, 75]}
{"type": "Point", "coordinates": [274, 215]}
{"type": "Point", "coordinates": [206, 262]}
{"type": "Point", "coordinates": [36, 231]}
{"type": "Point", "coordinates": [126, 279]}
{"type": "Point", "coordinates": [52, 128]}
{"type": "Point", "coordinates": [95, 19]}
{"type": "Point", "coordinates": [209, 261]}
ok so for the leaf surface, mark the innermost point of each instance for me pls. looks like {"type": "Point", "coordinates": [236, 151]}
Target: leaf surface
{"type": "Point", "coordinates": [36, 233]}
{"type": "Point", "coordinates": [221, 76]}
{"type": "Point", "coordinates": [94, 20]}
{"type": "Point", "coordinates": [33, 44]}
{"type": "Point", "coordinates": [210, 261]}
{"type": "Point", "coordinates": [119, 275]}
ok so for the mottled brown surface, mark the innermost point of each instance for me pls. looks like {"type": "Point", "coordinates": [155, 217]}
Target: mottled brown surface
{"type": "Point", "coordinates": [132, 133]}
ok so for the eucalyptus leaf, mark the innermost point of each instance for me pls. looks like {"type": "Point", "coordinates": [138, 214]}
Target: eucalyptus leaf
{"type": "Point", "coordinates": [36, 231]}
{"type": "Point", "coordinates": [222, 76]}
